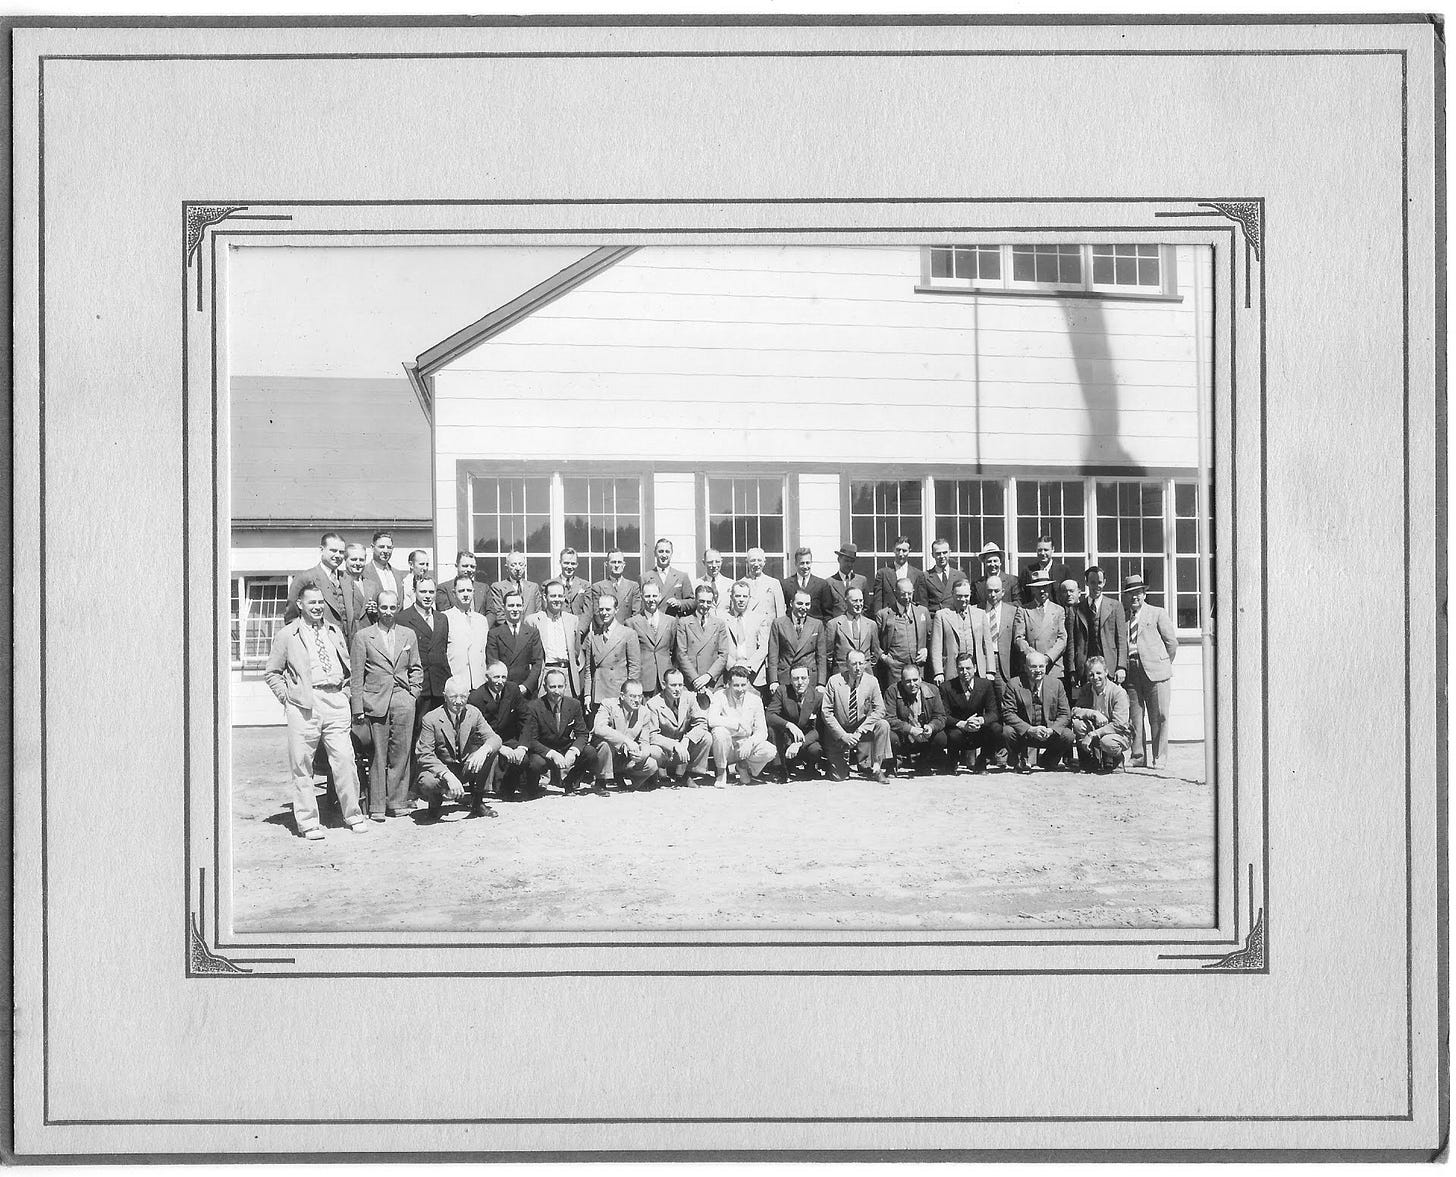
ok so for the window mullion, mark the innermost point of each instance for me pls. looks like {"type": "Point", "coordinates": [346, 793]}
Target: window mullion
{"type": "Point", "coordinates": [1089, 518]}
{"type": "Point", "coordinates": [558, 514]}
{"type": "Point", "coordinates": [1011, 520]}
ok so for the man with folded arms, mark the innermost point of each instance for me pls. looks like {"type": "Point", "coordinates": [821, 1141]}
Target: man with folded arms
{"type": "Point", "coordinates": [560, 633]}
{"type": "Point", "coordinates": [556, 738]}
{"type": "Point", "coordinates": [1036, 715]}
{"type": "Point", "coordinates": [793, 723]}
{"type": "Point", "coordinates": [385, 680]}
{"type": "Point", "coordinates": [852, 630]}
{"type": "Point", "coordinates": [740, 732]}
{"type": "Point", "coordinates": [681, 736]}
{"type": "Point", "coordinates": [626, 751]}
{"type": "Point", "coordinates": [973, 731]}
{"type": "Point", "coordinates": [456, 752]}
{"type": "Point", "coordinates": [504, 708]}
{"type": "Point", "coordinates": [1100, 720]}
{"type": "Point", "coordinates": [854, 719]}
{"type": "Point", "coordinates": [957, 630]}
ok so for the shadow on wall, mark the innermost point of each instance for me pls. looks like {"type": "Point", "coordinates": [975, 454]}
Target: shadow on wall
{"type": "Point", "coordinates": [1096, 373]}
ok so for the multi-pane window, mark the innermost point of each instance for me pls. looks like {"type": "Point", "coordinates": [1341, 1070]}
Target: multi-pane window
{"type": "Point", "coordinates": [743, 513]}
{"type": "Point", "coordinates": [602, 514]}
{"type": "Point", "coordinates": [235, 629]}
{"type": "Point", "coordinates": [257, 613]}
{"type": "Point", "coordinates": [970, 513]}
{"type": "Point", "coordinates": [976, 263]}
{"type": "Point", "coordinates": [1131, 269]}
{"type": "Point", "coordinates": [1186, 570]}
{"type": "Point", "coordinates": [882, 511]}
{"type": "Point", "coordinates": [1134, 266]}
{"type": "Point", "coordinates": [511, 514]}
{"type": "Point", "coordinates": [1130, 537]}
{"type": "Point", "coordinates": [1047, 265]}
{"type": "Point", "coordinates": [1056, 509]}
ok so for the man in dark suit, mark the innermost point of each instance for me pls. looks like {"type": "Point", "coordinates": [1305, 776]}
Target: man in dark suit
{"type": "Point", "coordinates": [1079, 636]}
{"type": "Point", "coordinates": [623, 591]}
{"type": "Point", "coordinates": [1106, 624]}
{"type": "Point", "coordinates": [1044, 564]}
{"type": "Point", "coordinates": [504, 708]}
{"type": "Point", "coordinates": [432, 634]}
{"type": "Point", "coordinates": [847, 578]}
{"type": "Point", "coordinates": [797, 640]}
{"type": "Point", "coordinates": [517, 644]}
{"type": "Point", "coordinates": [1036, 714]}
{"type": "Point", "coordinates": [674, 586]}
{"type": "Point", "coordinates": [574, 588]}
{"type": "Point", "coordinates": [385, 678]}
{"type": "Point", "coordinates": [887, 580]}
{"type": "Point", "coordinates": [656, 634]}
{"type": "Point", "coordinates": [941, 580]}
{"type": "Point", "coordinates": [555, 737]}
{"type": "Point", "coordinates": [973, 728]}
{"type": "Point", "coordinates": [515, 581]}
{"type": "Point", "coordinates": [1000, 633]}
{"type": "Point", "coordinates": [378, 574]}
{"type": "Point", "coordinates": [993, 564]}
{"type": "Point", "coordinates": [917, 722]}
{"type": "Point", "coordinates": [793, 723]}
{"type": "Point", "coordinates": [821, 596]}
{"type": "Point", "coordinates": [329, 578]}
{"type": "Point", "coordinates": [456, 751]}
{"type": "Point", "coordinates": [362, 607]}
{"type": "Point", "coordinates": [700, 647]}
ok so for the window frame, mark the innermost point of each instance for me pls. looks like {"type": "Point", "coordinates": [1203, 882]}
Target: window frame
{"type": "Point", "coordinates": [1166, 291]}
{"type": "Point", "coordinates": [238, 657]}
{"type": "Point", "coordinates": [791, 512]}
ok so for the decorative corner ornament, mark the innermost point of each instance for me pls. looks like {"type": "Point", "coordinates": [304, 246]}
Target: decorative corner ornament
{"type": "Point", "coordinates": [1249, 214]}
{"type": "Point", "coordinates": [203, 960]}
{"type": "Point", "coordinates": [1249, 958]}
{"type": "Point", "coordinates": [200, 217]}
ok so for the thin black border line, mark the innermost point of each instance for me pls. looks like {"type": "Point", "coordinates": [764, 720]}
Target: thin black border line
{"type": "Point", "coordinates": [1410, 1045]}
{"type": "Point", "coordinates": [586, 1120]}
{"type": "Point", "coordinates": [527, 230]}
{"type": "Point", "coordinates": [41, 597]}
{"type": "Point", "coordinates": [1218, 228]}
{"type": "Point", "coordinates": [539, 55]}
{"type": "Point", "coordinates": [718, 20]}
{"type": "Point", "coordinates": [1443, 1013]}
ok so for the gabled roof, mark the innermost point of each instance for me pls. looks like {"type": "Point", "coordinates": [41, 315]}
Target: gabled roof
{"type": "Point", "coordinates": [428, 362]}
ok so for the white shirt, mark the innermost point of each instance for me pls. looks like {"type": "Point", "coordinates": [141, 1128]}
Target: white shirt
{"type": "Point", "coordinates": [387, 581]}
{"type": "Point", "coordinates": [554, 641]}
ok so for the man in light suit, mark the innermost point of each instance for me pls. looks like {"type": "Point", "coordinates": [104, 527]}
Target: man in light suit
{"type": "Point", "coordinates": [432, 637]}
{"type": "Point", "coordinates": [516, 643]}
{"type": "Point", "coordinates": [675, 588]}
{"type": "Point", "coordinates": [961, 629]}
{"type": "Point", "coordinates": [682, 736]}
{"type": "Point", "coordinates": [700, 649]}
{"type": "Point", "coordinates": [623, 730]}
{"type": "Point", "coordinates": [656, 636]}
{"type": "Point", "coordinates": [797, 640]}
{"type": "Point", "coordinates": [384, 685]}
{"type": "Point", "coordinates": [767, 593]}
{"type": "Point", "coordinates": [821, 596]}
{"type": "Point", "coordinates": [379, 574]}
{"type": "Point", "coordinates": [612, 654]}
{"type": "Point", "coordinates": [328, 577]}
{"type": "Point", "coordinates": [1036, 714]}
{"type": "Point", "coordinates": [1106, 625]}
{"type": "Point", "coordinates": [622, 591]}
{"type": "Point", "coordinates": [467, 635]}
{"type": "Point", "coordinates": [993, 564]}
{"type": "Point", "coordinates": [1000, 633]}
{"type": "Point", "coordinates": [847, 578]}
{"type": "Point", "coordinates": [1041, 625]}
{"type": "Point", "coordinates": [852, 630]}
{"type": "Point", "coordinates": [1152, 645]}
{"type": "Point", "coordinates": [721, 585]}
{"type": "Point", "coordinates": [904, 634]}
{"type": "Point", "coordinates": [940, 582]}
{"type": "Point", "coordinates": [308, 672]}
{"type": "Point", "coordinates": [854, 719]}
{"type": "Point", "coordinates": [887, 580]}
{"type": "Point", "coordinates": [747, 630]}
{"type": "Point", "coordinates": [456, 751]}
{"type": "Point", "coordinates": [1100, 720]}
{"type": "Point", "coordinates": [575, 589]}
{"type": "Point", "coordinates": [560, 632]}
{"type": "Point", "coordinates": [515, 581]}
{"type": "Point", "coordinates": [740, 731]}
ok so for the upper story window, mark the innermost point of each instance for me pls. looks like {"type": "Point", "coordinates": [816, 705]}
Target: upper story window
{"type": "Point", "coordinates": [1131, 269]}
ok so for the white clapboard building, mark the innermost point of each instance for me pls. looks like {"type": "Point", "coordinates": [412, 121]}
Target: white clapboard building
{"type": "Point", "coordinates": [736, 396]}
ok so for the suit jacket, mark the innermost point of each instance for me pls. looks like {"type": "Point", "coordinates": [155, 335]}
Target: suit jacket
{"type": "Point", "coordinates": [677, 590]}
{"type": "Point", "coordinates": [848, 633]}
{"type": "Point", "coordinates": [373, 585]}
{"type": "Point", "coordinates": [767, 595]}
{"type": "Point", "coordinates": [701, 647]}
{"type": "Point", "coordinates": [932, 710]}
{"type": "Point", "coordinates": [1058, 572]}
{"type": "Point", "coordinates": [1003, 650]}
{"type": "Point", "coordinates": [1010, 590]}
{"type": "Point", "coordinates": [341, 606]}
{"type": "Point", "coordinates": [1112, 703]}
{"type": "Point", "coordinates": [611, 659]}
{"type": "Point", "coordinates": [613, 726]}
{"type": "Point", "coordinates": [786, 650]}
{"type": "Point", "coordinates": [940, 590]}
{"type": "Point", "coordinates": [431, 639]}
{"type": "Point", "coordinates": [624, 590]}
{"type": "Point", "coordinates": [887, 584]}
{"type": "Point", "coordinates": [1109, 636]}
{"type": "Point", "coordinates": [836, 703]}
{"type": "Point", "coordinates": [840, 589]}
{"type": "Point", "coordinates": [803, 713]}
{"type": "Point", "coordinates": [1155, 642]}
{"type": "Point", "coordinates": [465, 645]}
{"type": "Point", "coordinates": [821, 596]}
{"type": "Point", "coordinates": [656, 648]}
{"type": "Point", "coordinates": [289, 672]}
{"type": "Point", "coordinates": [724, 588]}
{"type": "Point", "coordinates": [1016, 704]}
{"type": "Point", "coordinates": [674, 723]}
{"type": "Point", "coordinates": [361, 605]}
{"type": "Point", "coordinates": [440, 750]}
{"type": "Point", "coordinates": [903, 636]}
{"type": "Point", "coordinates": [542, 734]}
{"type": "Point", "coordinates": [377, 674]}
{"type": "Point", "coordinates": [578, 595]}
{"type": "Point", "coordinates": [495, 599]}
{"type": "Point", "coordinates": [505, 714]}
{"type": "Point", "coordinates": [952, 635]}
{"type": "Point", "coordinates": [575, 657]}
{"type": "Point", "coordinates": [748, 643]}
{"type": "Point", "coordinates": [1045, 632]}
{"type": "Point", "coordinates": [982, 698]}
{"type": "Point", "coordinates": [1074, 657]}
{"type": "Point", "coordinates": [522, 654]}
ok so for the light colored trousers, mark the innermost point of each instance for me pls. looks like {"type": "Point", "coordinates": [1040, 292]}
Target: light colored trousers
{"type": "Point", "coordinates": [326, 721]}
{"type": "Point", "coordinates": [729, 749]}
{"type": "Point", "coordinates": [872, 750]}
{"type": "Point", "coordinates": [1154, 699]}
{"type": "Point", "coordinates": [389, 764]}
{"type": "Point", "coordinates": [700, 740]}
{"type": "Point", "coordinates": [612, 761]}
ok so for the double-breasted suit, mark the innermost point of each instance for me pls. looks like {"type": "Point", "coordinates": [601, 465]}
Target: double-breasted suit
{"type": "Point", "coordinates": [1043, 629]}
{"type": "Point", "coordinates": [940, 588]}
{"type": "Point", "coordinates": [848, 633]}
{"type": "Point", "coordinates": [701, 648]}
{"type": "Point", "coordinates": [791, 645]}
{"type": "Point", "coordinates": [613, 656]}
{"type": "Point", "coordinates": [520, 651]}
{"type": "Point", "coordinates": [655, 643]}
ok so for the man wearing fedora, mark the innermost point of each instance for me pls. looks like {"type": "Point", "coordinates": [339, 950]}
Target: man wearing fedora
{"type": "Point", "coordinates": [1151, 647]}
{"type": "Point", "coordinates": [1041, 625]}
{"type": "Point", "coordinates": [993, 563]}
{"type": "Point", "coordinates": [847, 578]}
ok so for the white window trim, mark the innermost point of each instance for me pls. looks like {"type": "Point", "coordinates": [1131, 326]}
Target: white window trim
{"type": "Point", "coordinates": [1007, 284]}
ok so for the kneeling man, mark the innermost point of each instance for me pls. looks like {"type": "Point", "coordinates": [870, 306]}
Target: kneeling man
{"type": "Point", "coordinates": [972, 718]}
{"type": "Point", "coordinates": [1035, 711]}
{"type": "Point", "coordinates": [456, 750]}
{"type": "Point", "coordinates": [1100, 722]}
{"type": "Point", "coordinates": [740, 733]}
{"type": "Point", "coordinates": [917, 723]}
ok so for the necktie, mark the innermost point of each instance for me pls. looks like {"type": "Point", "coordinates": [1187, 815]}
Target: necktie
{"type": "Point", "coordinates": [798, 629]}
{"type": "Point", "coordinates": [322, 646]}
{"type": "Point", "coordinates": [995, 624]}
{"type": "Point", "coordinates": [854, 704]}
{"type": "Point", "coordinates": [1038, 715]}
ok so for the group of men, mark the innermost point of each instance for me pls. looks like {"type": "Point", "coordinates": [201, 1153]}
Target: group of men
{"type": "Point", "coordinates": [455, 691]}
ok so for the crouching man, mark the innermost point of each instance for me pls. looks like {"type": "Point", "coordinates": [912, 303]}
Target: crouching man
{"type": "Point", "coordinates": [1100, 722]}
{"type": "Point", "coordinates": [740, 731]}
{"type": "Point", "coordinates": [1035, 711]}
{"type": "Point", "coordinates": [556, 738]}
{"type": "Point", "coordinates": [456, 752]}
{"type": "Point", "coordinates": [624, 729]}
{"type": "Point", "coordinates": [682, 736]}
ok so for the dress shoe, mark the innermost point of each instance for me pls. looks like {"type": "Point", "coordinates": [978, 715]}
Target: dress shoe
{"type": "Point", "coordinates": [312, 835]}
{"type": "Point", "coordinates": [483, 810]}
{"type": "Point", "coordinates": [878, 775]}
{"type": "Point", "coordinates": [359, 827]}
{"type": "Point", "coordinates": [1139, 762]}
{"type": "Point", "coordinates": [376, 817]}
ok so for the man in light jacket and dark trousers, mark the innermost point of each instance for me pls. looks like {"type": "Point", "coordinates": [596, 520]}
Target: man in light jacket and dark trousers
{"type": "Point", "coordinates": [1152, 644]}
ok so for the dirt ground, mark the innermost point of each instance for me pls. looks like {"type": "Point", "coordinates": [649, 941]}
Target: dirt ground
{"type": "Point", "coordinates": [995, 851]}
